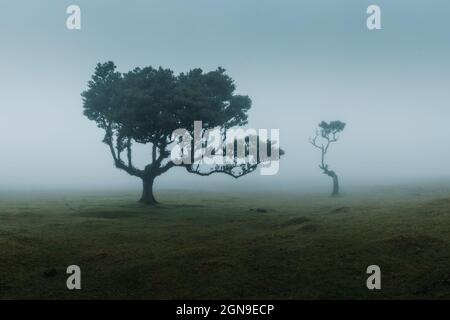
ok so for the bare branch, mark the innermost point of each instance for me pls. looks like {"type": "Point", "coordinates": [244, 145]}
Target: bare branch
{"type": "Point", "coordinates": [228, 170]}
{"type": "Point", "coordinates": [313, 141]}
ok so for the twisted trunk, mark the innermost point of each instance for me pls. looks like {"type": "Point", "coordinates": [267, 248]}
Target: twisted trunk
{"type": "Point", "coordinates": [334, 176]}
{"type": "Point", "coordinates": [335, 186]}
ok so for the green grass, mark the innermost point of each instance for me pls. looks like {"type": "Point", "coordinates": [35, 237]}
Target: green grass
{"type": "Point", "coordinates": [212, 246]}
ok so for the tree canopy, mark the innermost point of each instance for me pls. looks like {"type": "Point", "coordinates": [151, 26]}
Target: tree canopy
{"type": "Point", "coordinates": [146, 105]}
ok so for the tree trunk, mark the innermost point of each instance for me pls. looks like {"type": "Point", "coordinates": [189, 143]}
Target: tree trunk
{"type": "Point", "coordinates": [147, 192]}
{"type": "Point", "coordinates": [334, 176]}
{"type": "Point", "coordinates": [335, 185]}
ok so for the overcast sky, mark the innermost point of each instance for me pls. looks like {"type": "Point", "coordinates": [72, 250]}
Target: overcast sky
{"type": "Point", "coordinates": [300, 61]}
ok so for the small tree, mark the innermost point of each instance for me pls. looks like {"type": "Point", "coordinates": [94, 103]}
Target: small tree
{"type": "Point", "coordinates": [146, 105]}
{"type": "Point", "coordinates": [328, 133]}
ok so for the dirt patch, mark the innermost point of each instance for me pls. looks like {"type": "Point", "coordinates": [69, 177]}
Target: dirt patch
{"type": "Point", "coordinates": [296, 221]}
{"type": "Point", "coordinates": [340, 210]}
{"type": "Point", "coordinates": [259, 210]}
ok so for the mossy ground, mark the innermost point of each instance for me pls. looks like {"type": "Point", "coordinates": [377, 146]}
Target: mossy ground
{"type": "Point", "coordinates": [213, 246]}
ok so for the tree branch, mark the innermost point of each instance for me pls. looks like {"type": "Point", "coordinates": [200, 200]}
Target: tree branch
{"type": "Point", "coordinates": [228, 170]}
{"type": "Point", "coordinates": [109, 140]}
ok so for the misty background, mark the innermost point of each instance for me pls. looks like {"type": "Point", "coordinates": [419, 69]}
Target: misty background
{"type": "Point", "coordinates": [301, 62]}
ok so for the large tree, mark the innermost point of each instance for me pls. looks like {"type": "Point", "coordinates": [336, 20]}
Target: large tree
{"type": "Point", "coordinates": [145, 106]}
{"type": "Point", "coordinates": [328, 134]}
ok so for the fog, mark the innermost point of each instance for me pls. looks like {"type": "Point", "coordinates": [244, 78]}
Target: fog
{"type": "Point", "coordinates": [301, 62]}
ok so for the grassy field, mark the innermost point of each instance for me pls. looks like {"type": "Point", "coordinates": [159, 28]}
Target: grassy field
{"type": "Point", "coordinates": [208, 245]}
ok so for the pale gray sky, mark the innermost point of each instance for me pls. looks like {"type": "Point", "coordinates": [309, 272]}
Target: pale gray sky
{"type": "Point", "coordinates": [300, 61]}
